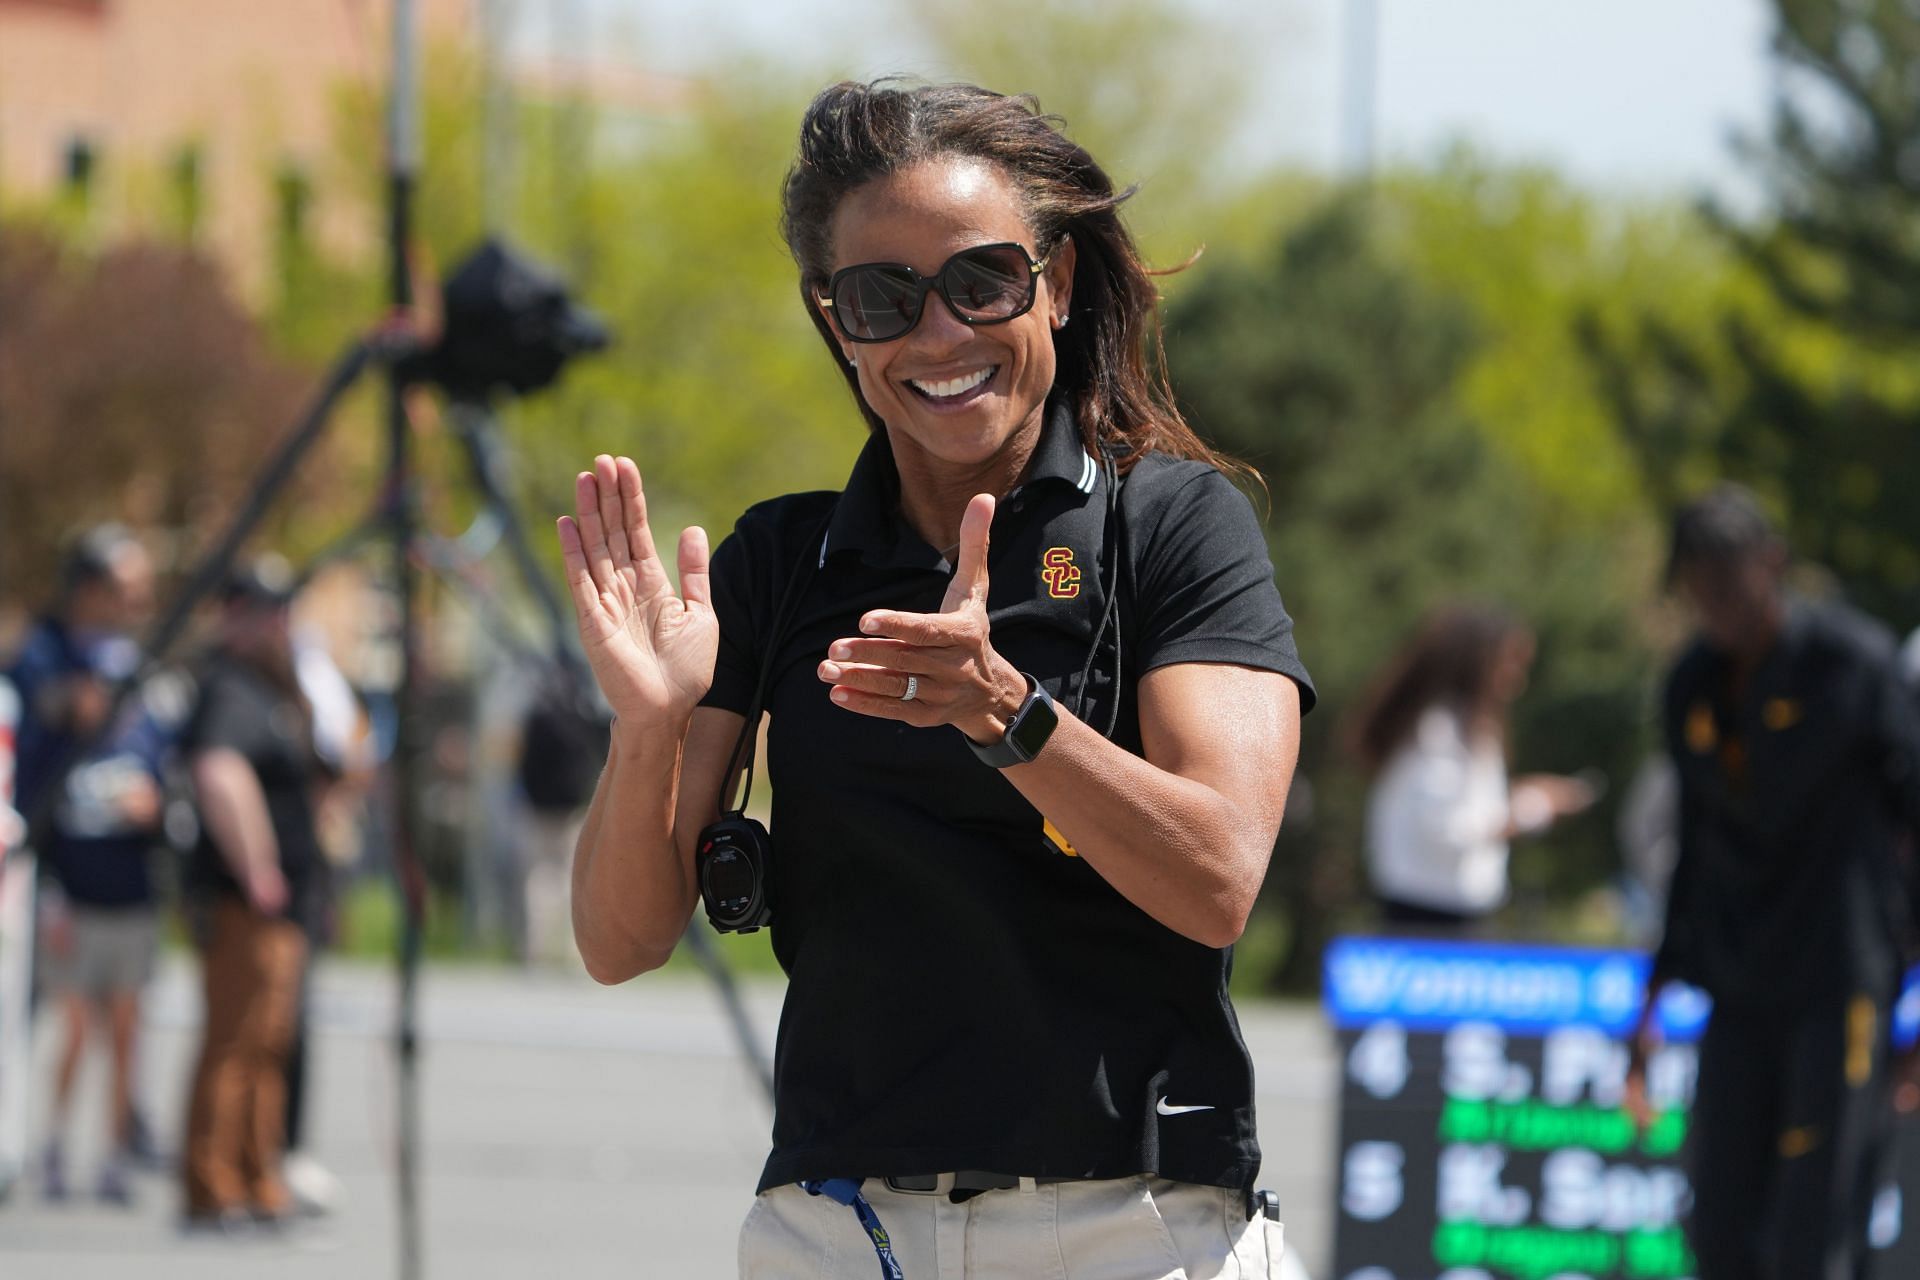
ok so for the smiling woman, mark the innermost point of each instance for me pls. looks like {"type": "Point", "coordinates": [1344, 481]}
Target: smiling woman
{"type": "Point", "coordinates": [1027, 790]}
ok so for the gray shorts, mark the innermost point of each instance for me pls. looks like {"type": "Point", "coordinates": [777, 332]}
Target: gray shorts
{"type": "Point", "coordinates": [113, 951]}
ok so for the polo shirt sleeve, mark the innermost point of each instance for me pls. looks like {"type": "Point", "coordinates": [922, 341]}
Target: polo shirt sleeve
{"type": "Point", "coordinates": [225, 716]}
{"type": "Point", "coordinates": [1204, 589]}
{"type": "Point", "coordinates": [731, 577]}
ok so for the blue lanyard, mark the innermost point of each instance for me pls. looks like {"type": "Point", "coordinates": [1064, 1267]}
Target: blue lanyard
{"type": "Point", "coordinates": [847, 1191]}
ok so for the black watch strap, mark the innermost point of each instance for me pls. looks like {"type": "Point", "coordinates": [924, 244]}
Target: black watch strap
{"type": "Point", "coordinates": [1026, 733]}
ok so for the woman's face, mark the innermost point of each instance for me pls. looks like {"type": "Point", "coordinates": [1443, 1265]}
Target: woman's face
{"type": "Point", "coordinates": [1511, 665]}
{"type": "Point", "coordinates": [922, 216]}
{"type": "Point", "coordinates": [258, 633]}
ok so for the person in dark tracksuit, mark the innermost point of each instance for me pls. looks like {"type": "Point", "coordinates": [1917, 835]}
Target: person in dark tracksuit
{"type": "Point", "coordinates": [1796, 741]}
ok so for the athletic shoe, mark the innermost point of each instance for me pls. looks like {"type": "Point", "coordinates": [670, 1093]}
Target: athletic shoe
{"type": "Point", "coordinates": [115, 1187]}
{"type": "Point", "coordinates": [143, 1149]}
{"type": "Point", "coordinates": [53, 1174]}
{"type": "Point", "coordinates": [224, 1224]}
{"type": "Point", "coordinates": [315, 1190]}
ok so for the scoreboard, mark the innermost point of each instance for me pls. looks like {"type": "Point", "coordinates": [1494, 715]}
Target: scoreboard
{"type": "Point", "coordinates": [1482, 1135]}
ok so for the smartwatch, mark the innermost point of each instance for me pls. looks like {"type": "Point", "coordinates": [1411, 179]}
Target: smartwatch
{"type": "Point", "coordinates": [1026, 733]}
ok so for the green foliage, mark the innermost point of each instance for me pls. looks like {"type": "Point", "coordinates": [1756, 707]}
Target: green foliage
{"type": "Point", "coordinates": [1141, 84]}
{"type": "Point", "coordinates": [1804, 385]}
{"type": "Point", "coordinates": [1345, 377]}
{"type": "Point", "coordinates": [668, 228]}
{"type": "Point", "coordinates": [1413, 368]}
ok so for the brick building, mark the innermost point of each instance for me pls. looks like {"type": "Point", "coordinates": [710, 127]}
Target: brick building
{"type": "Point", "coordinates": [208, 116]}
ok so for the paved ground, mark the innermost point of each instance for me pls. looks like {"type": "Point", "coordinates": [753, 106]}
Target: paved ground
{"type": "Point", "coordinates": [569, 1129]}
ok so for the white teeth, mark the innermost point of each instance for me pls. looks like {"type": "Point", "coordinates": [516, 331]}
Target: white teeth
{"type": "Point", "coordinates": [953, 386]}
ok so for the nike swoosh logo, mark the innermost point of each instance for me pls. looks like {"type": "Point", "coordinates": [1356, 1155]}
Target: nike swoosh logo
{"type": "Point", "coordinates": [1166, 1108]}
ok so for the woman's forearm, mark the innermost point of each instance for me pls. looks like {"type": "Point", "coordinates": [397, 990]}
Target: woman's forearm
{"type": "Point", "coordinates": [632, 888]}
{"type": "Point", "coordinates": [1169, 840]}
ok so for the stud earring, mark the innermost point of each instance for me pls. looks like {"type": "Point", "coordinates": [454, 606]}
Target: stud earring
{"type": "Point", "coordinates": [853, 360]}
{"type": "Point", "coordinates": [1060, 322]}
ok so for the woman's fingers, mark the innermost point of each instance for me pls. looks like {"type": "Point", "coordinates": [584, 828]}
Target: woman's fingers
{"type": "Point", "coordinates": [694, 585]}
{"type": "Point", "coordinates": [652, 575]}
{"type": "Point", "coordinates": [886, 682]}
{"type": "Point", "coordinates": [969, 585]}
{"type": "Point", "coordinates": [607, 481]}
{"type": "Point", "coordinates": [586, 596]}
{"type": "Point", "coordinates": [593, 531]}
{"type": "Point", "coordinates": [931, 630]}
{"type": "Point", "coordinates": [897, 655]}
{"type": "Point", "coordinates": [888, 707]}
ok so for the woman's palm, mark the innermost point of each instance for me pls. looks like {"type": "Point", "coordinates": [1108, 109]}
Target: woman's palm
{"type": "Point", "coordinates": [652, 650]}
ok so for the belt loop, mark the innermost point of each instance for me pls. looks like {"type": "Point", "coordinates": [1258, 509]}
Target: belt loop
{"type": "Point", "coordinates": [1029, 1186]}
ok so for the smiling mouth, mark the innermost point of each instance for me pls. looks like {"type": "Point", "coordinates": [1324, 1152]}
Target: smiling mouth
{"type": "Point", "coordinates": [952, 390]}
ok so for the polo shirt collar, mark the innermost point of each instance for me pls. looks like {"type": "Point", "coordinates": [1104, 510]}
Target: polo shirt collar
{"type": "Point", "coordinates": [867, 516]}
{"type": "Point", "coordinates": [1061, 455]}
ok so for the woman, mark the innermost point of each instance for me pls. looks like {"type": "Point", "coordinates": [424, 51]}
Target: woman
{"type": "Point", "coordinates": [250, 752]}
{"type": "Point", "coordinates": [1025, 798]}
{"type": "Point", "coordinates": [1433, 735]}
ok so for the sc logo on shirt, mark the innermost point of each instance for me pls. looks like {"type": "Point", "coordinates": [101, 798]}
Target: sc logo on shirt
{"type": "Point", "coordinates": [1060, 573]}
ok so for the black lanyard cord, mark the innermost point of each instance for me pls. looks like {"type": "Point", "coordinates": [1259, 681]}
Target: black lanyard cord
{"type": "Point", "coordinates": [813, 554]}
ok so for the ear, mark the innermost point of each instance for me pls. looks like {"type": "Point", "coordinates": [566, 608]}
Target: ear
{"type": "Point", "coordinates": [826, 318]}
{"type": "Point", "coordinates": [1059, 274]}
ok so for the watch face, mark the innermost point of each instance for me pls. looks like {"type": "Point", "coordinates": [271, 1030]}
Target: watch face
{"type": "Point", "coordinates": [1035, 724]}
{"type": "Point", "coordinates": [729, 878]}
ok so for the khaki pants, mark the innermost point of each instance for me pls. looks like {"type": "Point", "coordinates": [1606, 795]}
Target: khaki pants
{"type": "Point", "coordinates": [1122, 1229]}
{"type": "Point", "coordinates": [237, 1116]}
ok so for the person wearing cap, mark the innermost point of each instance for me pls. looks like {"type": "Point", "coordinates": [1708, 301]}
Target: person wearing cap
{"type": "Point", "coordinates": [100, 911]}
{"type": "Point", "coordinates": [1797, 748]}
{"type": "Point", "coordinates": [250, 753]}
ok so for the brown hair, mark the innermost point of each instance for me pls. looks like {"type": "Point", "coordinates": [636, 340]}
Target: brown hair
{"type": "Point", "coordinates": [854, 133]}
{"type": "Point", "coordinates": [1449, 662]}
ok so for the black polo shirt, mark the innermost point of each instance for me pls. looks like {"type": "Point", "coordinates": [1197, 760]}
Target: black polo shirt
{"type": "Point", "coordinates": [1795, 792]}
{"type": "Point", "coordinates": [963, 994]}
{"type": "Point", "coordinates": [242, 710]}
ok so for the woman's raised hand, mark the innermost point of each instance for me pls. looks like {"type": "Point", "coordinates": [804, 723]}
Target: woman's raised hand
{"type": "Point", "coordinates": [957, 677]}
{"type": "Point", "coordinates": [652, 650]}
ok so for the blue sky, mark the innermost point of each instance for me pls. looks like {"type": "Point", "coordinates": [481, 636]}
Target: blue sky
{"type": "Point", "coordinates": [1631, 96]}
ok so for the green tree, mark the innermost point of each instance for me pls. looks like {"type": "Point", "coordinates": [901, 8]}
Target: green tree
{"type": "Point", "coordinates": [1339, 373]}
{"type": "Point", "coordinates": [1156, 90]}
{"type": "Point", "coordinates": [667, 226]}
{"type": "Point", "coordinates": [1806, 387]}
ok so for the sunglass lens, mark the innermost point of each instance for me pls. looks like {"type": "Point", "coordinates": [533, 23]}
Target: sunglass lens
{"type": "Point", "coordinates": [989, 284]}
{"type": "Point", "coordinates": [877, 302]}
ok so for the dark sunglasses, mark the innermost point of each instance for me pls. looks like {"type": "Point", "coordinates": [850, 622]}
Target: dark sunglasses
{"type": "Point", "coordinates": [881, 301]}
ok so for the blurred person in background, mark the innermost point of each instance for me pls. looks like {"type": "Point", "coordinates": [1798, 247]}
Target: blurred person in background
{"type": "Point", "coordinates": [562, 747]}
{"type": "Point", "coordinates": [343, 742]}
{"type": "Point", "coordinates": [1797, 745]}
{"type": "Point", "coordinates": [256, 777]}
{"type": "Point", "coordinates": [1433, 735]}
{"type": "Point", "coordinates": [1010, 867]}
{"type": "Point", "coordinates": [100, 921]}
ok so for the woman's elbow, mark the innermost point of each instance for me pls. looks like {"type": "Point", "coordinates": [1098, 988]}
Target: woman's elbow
{"type": "Point", "coordinates": [1228, 908]}
{"type": "Point", "coordinates": [611, 959]}
{"type": "Point", "coordinates": [610, 968]}
{"type": "Point", "coordinates": [1223, 915]}
{"type": "Point", "coordinates": [1223, 923]}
